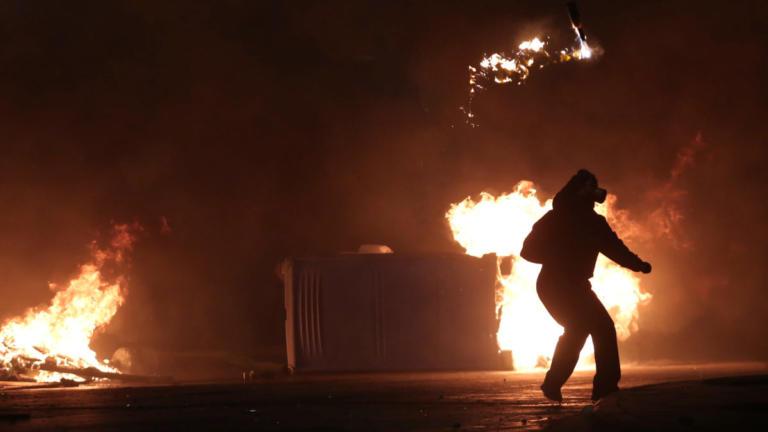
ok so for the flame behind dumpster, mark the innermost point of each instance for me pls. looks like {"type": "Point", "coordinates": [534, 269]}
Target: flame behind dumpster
{"type": "Point", "coordinates": [499, 225]}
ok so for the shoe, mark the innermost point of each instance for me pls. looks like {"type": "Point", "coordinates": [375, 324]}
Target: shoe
{"type": "Point", "coordinates": [552, 394]}
{"type": "Point", "coordinates": [599, 393]}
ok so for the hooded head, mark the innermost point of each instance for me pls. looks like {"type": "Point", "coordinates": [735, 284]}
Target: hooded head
{"type": "Point", "coordinates": [580, 193]}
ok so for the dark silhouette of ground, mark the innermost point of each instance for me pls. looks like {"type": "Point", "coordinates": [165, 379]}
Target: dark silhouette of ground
{"type": "Point", "coordinates": [731, 403]}
{"type": "Point", "coordinates": [446, 401]}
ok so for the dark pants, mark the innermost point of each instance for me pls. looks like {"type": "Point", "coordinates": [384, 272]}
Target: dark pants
{"type": "Point", "coordinates": [576, 307]}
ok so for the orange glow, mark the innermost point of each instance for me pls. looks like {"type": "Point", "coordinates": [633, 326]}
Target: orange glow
{"type": "Point", "coordinates": [60, 333]}
{"type": "Point", "coordinates": [499, 225]}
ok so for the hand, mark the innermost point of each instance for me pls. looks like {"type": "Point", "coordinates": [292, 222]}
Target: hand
{"type": "Point", "coordinates": [645, 267]}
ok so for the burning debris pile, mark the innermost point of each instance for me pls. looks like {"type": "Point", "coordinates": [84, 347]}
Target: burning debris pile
{"type": "Point", "coordinates": [52, 343]}
{"type": "Point", "coordinates": [502, 68]}
{"type": "Point", "coordinates": [499, 225]}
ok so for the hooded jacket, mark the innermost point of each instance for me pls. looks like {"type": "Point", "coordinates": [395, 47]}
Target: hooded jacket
{"type": "Point", "coordinates": [569, 237]}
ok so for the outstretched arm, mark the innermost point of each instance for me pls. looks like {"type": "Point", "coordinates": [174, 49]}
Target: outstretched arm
{"type": "Point", "coordinates": [615, 249]}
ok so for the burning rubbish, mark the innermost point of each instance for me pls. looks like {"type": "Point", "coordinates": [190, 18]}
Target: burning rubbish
{"type": "Point", "coordinates": [52, 343]}
{"type": "Point", "coordinates": [499, 225]}
{"type": "Point", "coordinates": [515, 68]}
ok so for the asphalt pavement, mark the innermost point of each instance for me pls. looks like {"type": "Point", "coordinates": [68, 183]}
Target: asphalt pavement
{"type": "Point", "coordinates": [445, 401]}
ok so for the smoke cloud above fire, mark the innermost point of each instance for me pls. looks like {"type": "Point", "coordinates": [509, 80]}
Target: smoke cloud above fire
{"type": "Point", "coordinates": [251, 131]}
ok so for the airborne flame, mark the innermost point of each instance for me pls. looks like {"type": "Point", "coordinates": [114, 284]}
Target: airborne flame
{"type": "Point", "coordinates": [501, 68]}
{"type": "Point", "coordinates": [499, 225]}
{"type": "Point", "coordinates": [60, 334]}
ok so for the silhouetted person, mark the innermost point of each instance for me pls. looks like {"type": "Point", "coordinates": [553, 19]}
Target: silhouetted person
{"type": "Point", "coordinates": [567, 241]}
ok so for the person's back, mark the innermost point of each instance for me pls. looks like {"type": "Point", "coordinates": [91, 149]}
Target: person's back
{"type": "Point", "coordinates": [572, 234]}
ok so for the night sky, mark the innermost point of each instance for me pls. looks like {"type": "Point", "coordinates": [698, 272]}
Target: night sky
{"type": "Point", "coordinates": [262, 130]}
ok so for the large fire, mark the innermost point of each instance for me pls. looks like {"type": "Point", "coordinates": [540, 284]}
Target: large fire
{"type": "Point", "coordinates": [58, 336]}
{"type": "Point", "coordinates": [499, 225]}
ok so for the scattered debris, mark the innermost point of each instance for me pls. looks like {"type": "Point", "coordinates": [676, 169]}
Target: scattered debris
{"type": "Point", "coordinates": [91, 373]}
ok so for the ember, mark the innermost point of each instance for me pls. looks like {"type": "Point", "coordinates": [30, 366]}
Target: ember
{"type": "Point", "coordinates": [499, 225]}
{"type": "Point", "coordinates": [46, 342]}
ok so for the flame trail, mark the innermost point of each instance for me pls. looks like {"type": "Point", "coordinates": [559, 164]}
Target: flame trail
{"type": "Point", "coordinates": [60, 334]}
{"type": "Point", "coordinates": [499, 225]}
{"type": "Point", "coordinates": [501, 68]}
